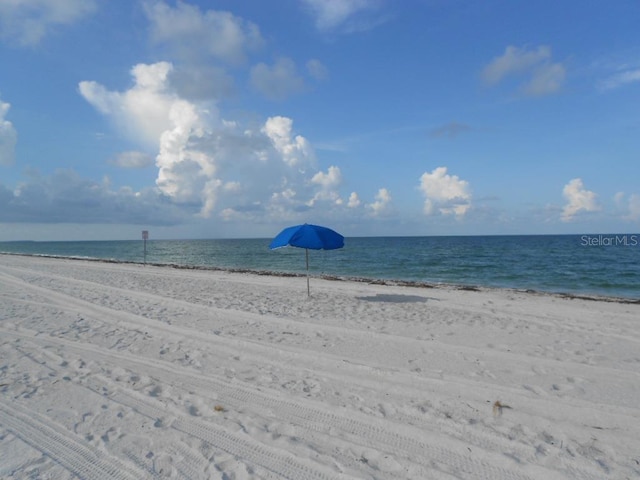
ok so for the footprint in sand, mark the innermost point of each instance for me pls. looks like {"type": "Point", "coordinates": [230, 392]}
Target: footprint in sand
{"type": "Point", "coordinates": [164, 422]}
{"type": "Point", "coordinates": [156, 391]}
{"type": "Point", "coordinates": [110, 434]}
{"type": "Point", "coordinates": [310, 386]}
{"type": "Point", "coordinates": [163, 466]}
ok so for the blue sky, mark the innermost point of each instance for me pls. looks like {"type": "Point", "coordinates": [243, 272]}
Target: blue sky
{"type": "Point", "coordinates": [224, 119]}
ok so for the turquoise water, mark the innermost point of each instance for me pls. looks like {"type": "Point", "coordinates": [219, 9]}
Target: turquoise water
{"type": "Point", "coordinates": [577, 264]}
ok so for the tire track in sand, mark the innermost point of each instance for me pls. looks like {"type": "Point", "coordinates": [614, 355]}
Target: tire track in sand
{"type": "Point", "coordinates": [79, 458]}
{"type": "Point", "coordinates": [355, 428]}
{"type": "Point", "coordinates": [362, 431]}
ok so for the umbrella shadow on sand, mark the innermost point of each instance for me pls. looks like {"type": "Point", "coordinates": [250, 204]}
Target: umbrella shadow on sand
{"type": "Point", "coordinates": [394, 298]}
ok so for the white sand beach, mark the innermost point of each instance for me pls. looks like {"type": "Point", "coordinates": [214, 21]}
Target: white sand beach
{"type": "Point", "coordinates": [124, 371]}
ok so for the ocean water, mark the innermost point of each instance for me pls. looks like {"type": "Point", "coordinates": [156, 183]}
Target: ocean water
{"type": "Point", "coordinates": [574, 264]}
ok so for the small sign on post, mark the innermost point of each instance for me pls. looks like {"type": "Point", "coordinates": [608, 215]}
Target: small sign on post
{"type": "Point", "coordinates": [145, 237]}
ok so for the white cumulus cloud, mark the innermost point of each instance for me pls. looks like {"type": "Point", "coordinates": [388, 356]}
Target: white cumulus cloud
{"type": "Point", "coordinates": [332, 14]}
{"type": "Point", "coordinates": [579, 199]}
{"type": "Point", "coordinates": [184, 173]}
{"type": "Point", "coordinates": [8, 136]}
{"type": "Point", "coordinates": [27, 22]}
{"type": "Point", "coordinates": [295, 150]}
{"type": "Point", "coordinates": [278, 81]}
{"type": "Point", "coordinates": [143, 111]}
{"type": "Point", "coordinates": [445, 194]}
{"type": "Point", "coordinates": [382, 203]}
{"type": "Point", "coordinates": [354, 200]}
{"type": "Point", "coordinates": [514, 60]}
{"type": "Point", "coordinates": [630, 206]}
{"type": "Point", "coordinates": [65, 197]}
{"type": "Point", "coordinates": [545, 79]}
{"type": "Point", "coordinates": [634, 207]}
{"type": "Point", "coordinates": [153, 112]}
{"type": "Point", "coordinates": [328, 180]}
{"type": "Point", "coordinates": [328, 183]}
{"type": "Point", "coordinates": [542, 76]}
{"type": "Point", "coordinates": [203, 46]}
{"type": "Point", "coordinates": [191, 33]}
{"type": "Point", "coordinates": [212, 165]}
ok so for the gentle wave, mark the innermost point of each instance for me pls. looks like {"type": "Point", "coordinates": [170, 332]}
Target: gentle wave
{"type": "Point", "coordinates": [564, 264]}
{"type": "Point", "coordinates": [402, 283]}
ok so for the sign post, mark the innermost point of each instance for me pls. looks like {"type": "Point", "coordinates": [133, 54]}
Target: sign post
{"type": "Point", "coordinates": [145, 237]}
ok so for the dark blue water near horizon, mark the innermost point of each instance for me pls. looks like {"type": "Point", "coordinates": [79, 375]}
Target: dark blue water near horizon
{"type": "Point", "coordinates": [606, 265]}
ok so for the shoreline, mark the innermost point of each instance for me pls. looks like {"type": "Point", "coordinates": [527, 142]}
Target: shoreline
{"type": "Point", "coordinates": [368, 280]}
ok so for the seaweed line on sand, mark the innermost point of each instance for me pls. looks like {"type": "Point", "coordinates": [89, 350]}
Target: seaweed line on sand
{"type": "Point", "coordinates": [372, 281]}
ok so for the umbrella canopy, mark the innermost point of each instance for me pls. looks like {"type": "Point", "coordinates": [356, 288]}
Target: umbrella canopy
{"type": "Point", "coordinates": [308, 237]}
{"type": "Point", "coordinates": [314, 237]}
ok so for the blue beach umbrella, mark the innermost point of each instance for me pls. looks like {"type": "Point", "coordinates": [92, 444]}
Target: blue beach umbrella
{"type": "Point", "coordinates": [308, 236]}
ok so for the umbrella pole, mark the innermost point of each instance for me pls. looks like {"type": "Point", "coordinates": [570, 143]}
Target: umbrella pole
{"type": "Point", "coordinates": [306, 250]}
